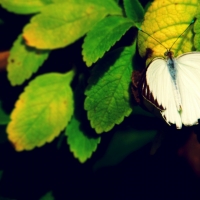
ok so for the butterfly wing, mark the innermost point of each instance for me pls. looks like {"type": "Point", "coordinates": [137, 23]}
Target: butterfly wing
{"type": "Point", "coordinates": [188, 79]}
{"type": "Point", "coordinates": [158, 89]}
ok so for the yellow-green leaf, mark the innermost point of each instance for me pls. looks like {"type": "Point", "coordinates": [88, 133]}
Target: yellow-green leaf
{"type": "Point", "coordinates": [24, 6]}
{"type": "Point", "coordinates": [61, 24]}
{"type": "Point", "coordinates": [197, 32]}
{"type": "Point", "coordinates": [166, 21]}
{"type": "Point", "coordinates": [24, 61]}
{"type": "Point", "coordinates": [42, 111]}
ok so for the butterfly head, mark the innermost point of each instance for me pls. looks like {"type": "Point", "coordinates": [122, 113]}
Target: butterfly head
{"type": "Point", "coordinates": [168, 53]}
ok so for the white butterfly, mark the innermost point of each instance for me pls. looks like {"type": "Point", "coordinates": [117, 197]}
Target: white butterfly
{"type": "Point", "coordinates": [173, 86]}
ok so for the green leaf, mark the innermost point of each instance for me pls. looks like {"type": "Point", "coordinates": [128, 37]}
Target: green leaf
{"type": "Point", "coordinates": [42, 111]}
{"type": "Point", "coordinates": [81, 145]}
{"type": "Point", "coordinates": [104, 35]}
{"type": "Point", "coordinates": [122, 144]}
{"type": "Point", "coordinates": [197, 33]}
{"type": "Point", "coordinates": [4, 118]}
{"type": "Point", "coordinates": [47, 196]}
{"type": "Point", "coordinates": [24, 61]}
{"type": "Point", "coordinates": [108, 4]}
{"type": "Point", "coordinates": [134, 11]}
{"type": "Point", "coordinates": [108, 95]}
{"type": "Point", "coordinates": [24, 6]}
{"type": "Point", "coordinates": [61, 24]}
{"type": "Point", "coordinates": [81, 139]}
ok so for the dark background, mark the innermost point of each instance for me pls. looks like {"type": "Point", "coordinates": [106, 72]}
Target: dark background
{"type": "Point", "coordinates": [172, 173]}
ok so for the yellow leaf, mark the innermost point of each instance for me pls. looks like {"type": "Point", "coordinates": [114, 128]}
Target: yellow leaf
{"type": "Point", "coordinates": [61, 24]}
{"type": "Point", "coordinates": [166, 20]}
{"type": "Point", "coordinates": [42, 111]}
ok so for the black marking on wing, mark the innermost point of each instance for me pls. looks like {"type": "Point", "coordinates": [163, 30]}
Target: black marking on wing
{"type": "Point", "coordinates": [147, 94]}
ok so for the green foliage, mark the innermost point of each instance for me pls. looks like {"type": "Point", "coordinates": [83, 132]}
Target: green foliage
{"type": "Point", "coordinates": [46, 106]}
{"type": "Point", "coordinates": [81, 139]}
{"type": "Point", "coordinates": [80, 144]}
{"type": "Point", "coordinates": [24, 6]}
{"type": "Point", "coordinates": [122, 144]}
{"type": "Point", "coordinates": [42, 111]}
{"type": "Point", "coordinates": [24, 61]}
{"type": "Point", "coordinates": [129, 138]}
{"type": "Point", "coordinates": [197, 34]}
{"type": "Point", "coordinates": [57, 26]}
{"type": "Point", "coordinates": [47, 196]}
{"type": "Point", "coordinates": [108, 94]}
{"type": "Point", "coordinates": [134, 11]}
{"type": "Point", "coordinates": [4, 118]}
{"type": "Point", "coordinates": [59, 100]}
{"type": "Point", "coordinates": [103, 36]}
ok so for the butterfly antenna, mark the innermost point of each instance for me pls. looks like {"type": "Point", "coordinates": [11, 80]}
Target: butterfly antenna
{"type": "Point", "coordinates": [174, 41]}
{"type": "Point", "coordinates": [153, 38]}
{"type": "Point", "coordinates": [182, 33]}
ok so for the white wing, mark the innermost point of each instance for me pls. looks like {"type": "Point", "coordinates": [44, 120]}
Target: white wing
{"type": "Point", "coordinates": [158, 89]}
{"type": "Point", "coordinates": [188, 79]}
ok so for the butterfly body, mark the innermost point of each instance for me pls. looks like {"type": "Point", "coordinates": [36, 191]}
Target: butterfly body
{"type": "Point", "coordinates": [172, 67]}
{"type": "Point", "coordinates": [171, 64]}
{"type": "Point", "coordinates": [173, 86]}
